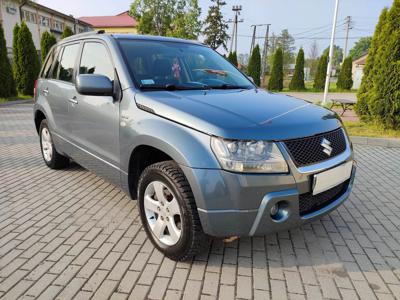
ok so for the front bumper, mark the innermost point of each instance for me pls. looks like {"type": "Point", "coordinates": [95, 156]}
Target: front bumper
{"type": "Point", "coordinates": [232, 204]}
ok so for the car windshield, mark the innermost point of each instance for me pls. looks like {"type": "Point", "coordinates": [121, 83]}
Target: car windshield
{"type": "Point", "coordinates": [180, 66]}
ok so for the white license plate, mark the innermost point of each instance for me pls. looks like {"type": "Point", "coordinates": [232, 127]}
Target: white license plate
{"type": "Point", "coordinates": [331, 178]}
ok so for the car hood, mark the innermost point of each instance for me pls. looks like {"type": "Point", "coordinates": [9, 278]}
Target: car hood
{"type": "Point", "coordinates": [240, 114]}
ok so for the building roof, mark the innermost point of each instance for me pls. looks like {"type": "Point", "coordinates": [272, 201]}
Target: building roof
{"type": "Point", "coordinates": [120, 20]}
{"type": "Point", "coordinates": [361, 60]}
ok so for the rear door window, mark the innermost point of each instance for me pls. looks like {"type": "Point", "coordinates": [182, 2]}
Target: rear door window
{"type": "Point", "coordinates": [67, 63]}
{"type": "Point", "coordinates": [96, 60]}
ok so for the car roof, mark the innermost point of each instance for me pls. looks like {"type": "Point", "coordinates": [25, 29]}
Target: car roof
{"type": "Point", "coordinates": [128, 36]}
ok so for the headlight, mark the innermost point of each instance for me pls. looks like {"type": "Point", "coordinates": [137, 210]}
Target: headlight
{"type": "Point", "coordinates": [249, 156]}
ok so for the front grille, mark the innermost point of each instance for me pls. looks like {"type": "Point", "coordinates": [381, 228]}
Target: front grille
{"type": "Point", "coordinates": [308, 151]}
{"type": "Point", "coordinates": [309, 203]}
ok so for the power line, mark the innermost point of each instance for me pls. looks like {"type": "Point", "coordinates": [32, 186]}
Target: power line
{"type": "Point", "coordinates": [236, 9]}
{"type": "Point", "coordinates": [348, 27]}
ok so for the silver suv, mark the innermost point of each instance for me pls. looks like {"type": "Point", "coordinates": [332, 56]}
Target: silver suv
{"type": "Point", "coordinates": [176, 126]}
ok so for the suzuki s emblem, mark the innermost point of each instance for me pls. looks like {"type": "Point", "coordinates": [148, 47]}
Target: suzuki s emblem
{"type": "Point", "coordinates": [327, 146]}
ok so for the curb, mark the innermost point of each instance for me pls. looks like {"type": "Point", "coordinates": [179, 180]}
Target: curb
{"type": "Point", "coordinates": [382, 142]}
{"type": "Point", "coordinates": [9, 103]}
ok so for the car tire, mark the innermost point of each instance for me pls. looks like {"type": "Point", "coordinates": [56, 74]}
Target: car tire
{"type": "Point", "coordinates": [51, 157]}
{"type": "Point", "coordinates": [180, 236]}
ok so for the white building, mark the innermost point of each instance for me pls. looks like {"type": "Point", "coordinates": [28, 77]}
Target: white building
{"type": "Point", "coordinates": [38, 18]}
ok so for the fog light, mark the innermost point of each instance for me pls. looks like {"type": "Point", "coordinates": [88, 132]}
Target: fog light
{"type": "Point", "coordinates": [274, 209]}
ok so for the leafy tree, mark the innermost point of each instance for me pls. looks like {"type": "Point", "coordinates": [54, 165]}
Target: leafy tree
{"type": "Point", "coordinates": [46, 42]}
{"type": "Point", "coordinates": [215, 30]}
{"type": "Point", "coordinates": [385, 98]}
{"type": "Point", "coordinates": [276, 80]}
{"type": "Point", "coordinates": [337, 55]}
{"type": "Point", "coordinates": [232, 58]}
{"type": "Point", "coordinates": [366, 91]}
{"type": "Point", "coordinates": [179, 18]}
{"type": "Point", "coordinates": [297, 82]}
{"type": "Point", "coordinates": [15, 67]}
{"type": "Point", "coordinates": [186, 23]}
{"type": "Point", "coordinates": [286, 42]}
{"type": "Point", "coordinates": [28, 61]}
{"type": "Point", "coordinates": [67, 32]}
{"type": "Point", "coordinates": [320, 76]}
{"type": "Point", "coordinates": [312, 61]}
{"type": "Point", "coordinates": [360, 47]}
{"type": "Point", "coordinates": [254, 68]}
{"type": "Point", "coordinates": [345, 80]}
{"type": "Point", "coordinates": [7, 86]}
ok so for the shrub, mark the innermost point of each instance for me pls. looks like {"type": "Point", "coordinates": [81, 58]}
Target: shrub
{"type": "Point", "coordinates": [345, 80]}
{"type": "Point", "coordinates": [7, 86]}
{"type": "Point", "coordinates": [67, 32]}
{"type": "Point", "coordinates": [254, 67]}
{"type": "Point", "coordinates": [232, 58]}
{"type": "Point", "coordinates": [320, 76]}
{"type": "Point", "coordinates": [46, 42]}
{"type": "Point", "coordinates": [28, 61]}
{"type": "Point", "coordinates": [15, 67]}
{"type": "Point", "coordinates": [276, 80]}
{"type": "Point", "coordinates": [297, 82]}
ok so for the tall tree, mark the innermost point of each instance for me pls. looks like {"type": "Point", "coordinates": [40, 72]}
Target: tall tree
{"type": "Point", "coordinates": [46, 42]}
{"type": "Point", "coordinates": [232, 58]}
{"type": "Point", "coordinates": [312, 61]}
{"type": "Point", "coordinates": [297, 82]}
{"type": "Point", "coordinates": [254, 68]}
{"type": "Point", "coordinates": [337, 55]}
{"type": "Point", "coordinates": [67, 32]}
{"type": "Point", "coordinates": [365, 92]}
{"type": "Point", "coordinates": [15, 65]}
{"type": "Point", "coordinates": [286, 42]}
{"type": "Point", "coordinates": [28, 60]}
{"type": "Point", "coordinates": [320, 76]}
{"type": "Point", "coordinates": [215, 30]}
{"type": "Point", "coordinates": [7, 86]}
{"type": "Point", "coordinates": [345, 80]}
{"type": "Point", "coordinates": [385, 98]}
{"type": "Point", "coordinates": [276, 80]}
{"type": "Point", "coordinates": [186, 23]}
{"type": "Point", "coordinates": [179, 18]}
{"type": "Point", "coordinates": [360, 47]}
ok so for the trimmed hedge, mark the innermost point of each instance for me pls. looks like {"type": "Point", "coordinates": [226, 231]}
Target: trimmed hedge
{"type": "Point", "coordinates": [320, 76]}
{"type": "Point", "coordinates": [7, 84]}
{"type": "Point", "coordinates": [276, 80]}
{"type": "Point", "coordinates": [345, 80]}
{"type": "Point", "coordinates": [254, 68]}
{"type": "Point", "coordinates": [46, 42]}
{"type": "Point", "coordinates": [297, 82]}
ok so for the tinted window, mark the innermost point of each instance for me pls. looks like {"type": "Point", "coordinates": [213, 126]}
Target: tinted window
{"type": "Point", "coordinates": [95, 60]}
{"type": "Point", "coordinates": [54, 72]}
{"type": "Point", "coordinates": [47, 66]}
{"type": "Point", "coordinates": [67, 62]}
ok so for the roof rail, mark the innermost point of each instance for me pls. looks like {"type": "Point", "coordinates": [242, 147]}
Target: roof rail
{"type": "Point", "coordinates": [85, 34]}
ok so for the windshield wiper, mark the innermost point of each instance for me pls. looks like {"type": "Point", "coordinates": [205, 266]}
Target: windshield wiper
{"type": "Point", "coordinates": [173, 87]}
{"type": "Point", "coordinates": [226, 86]}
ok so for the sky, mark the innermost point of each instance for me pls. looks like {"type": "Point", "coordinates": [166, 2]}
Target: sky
{"type": "Point", "coordinates": [306, 20]}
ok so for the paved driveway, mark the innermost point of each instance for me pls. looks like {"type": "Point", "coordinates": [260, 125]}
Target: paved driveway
{"type": "Point", "coordinates": [70, 234]}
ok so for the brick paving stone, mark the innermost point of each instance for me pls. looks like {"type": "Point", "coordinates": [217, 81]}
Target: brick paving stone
{"type": "Point", "coordinates": [70, 234]}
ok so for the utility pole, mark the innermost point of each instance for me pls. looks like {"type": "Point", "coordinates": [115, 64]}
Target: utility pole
{"type": "Point", "coordinates": [329, 69]}
{"type": "Point", "coordinates": [265, 53]}
{"type": "Point", "coordinates": [348, 27]}
{"type": "Point", "coordinates": [253, 40]}
{"type": "Point", "coordinates": [236, 9]}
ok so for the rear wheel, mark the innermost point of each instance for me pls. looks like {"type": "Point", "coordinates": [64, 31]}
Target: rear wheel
{"type": "Point", "coordinates": [169, 213]}
{"type": "Point", "coordinates": [51, 157]}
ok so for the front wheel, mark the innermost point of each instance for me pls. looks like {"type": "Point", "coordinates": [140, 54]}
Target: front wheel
{"type": "Point", "coordinates": [169, 213]}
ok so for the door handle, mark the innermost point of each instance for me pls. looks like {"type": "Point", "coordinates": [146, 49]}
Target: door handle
{"type": "Point", "coordinates": [73, 100]}
{"type": "Point", "coordinates": [45, 91]}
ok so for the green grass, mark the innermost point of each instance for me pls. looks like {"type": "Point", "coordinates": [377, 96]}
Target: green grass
{"type": "Point", "coordinates": [19, 97]}
{"type": "Point", "coordinates": [310, 89]}
{"type": "Point", "coordinates": [370, 130]}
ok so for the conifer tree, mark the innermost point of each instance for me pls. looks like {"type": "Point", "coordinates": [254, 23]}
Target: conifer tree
{"type": "Point", "coordinates": [320, 76]}
{"type": "Point", "coordinates": [345, 80]}
{"type": "Point", "coordinates": [215, 26]}
{"type": "Point", "coordinates": [15, 67]}
{"type": "Point", "coordinates": [7, 85]}
{"type": "Point", "coordinates": [46, 42]}
{"type": "Point", "coordinates": [232, 58]}
{"type": "Point", "coordinates": [254, 67]}
{"type": "Point", "coordinates": [276, 79]}
{"type": "Point", "coordinates": [28, 61]}
{"type": "Point", "coordinates": [297, 82]}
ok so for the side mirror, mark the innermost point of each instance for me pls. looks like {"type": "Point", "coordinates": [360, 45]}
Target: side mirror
{"type": "Point", "coordinates": [251, 79]}
{"type": "Point", "coordinates": [94, 85]}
